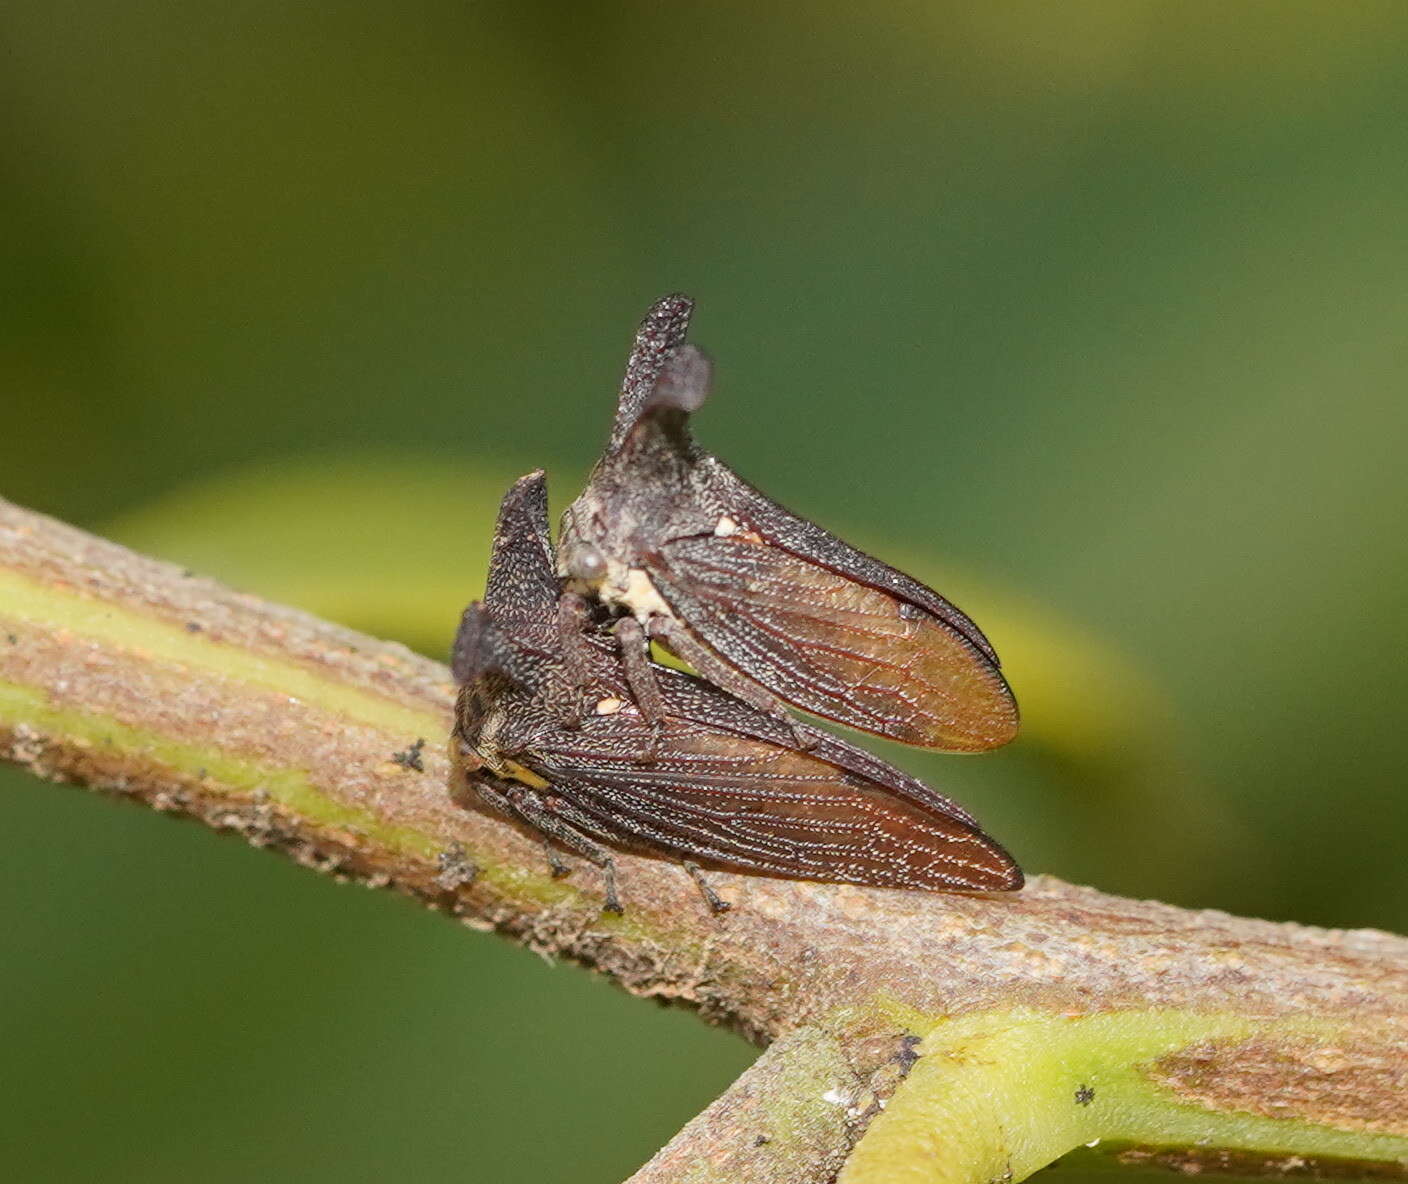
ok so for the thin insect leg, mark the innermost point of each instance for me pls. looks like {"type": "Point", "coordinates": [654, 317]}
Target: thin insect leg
{"type": "Point", "coordinates": [491, 796]}
{"type": "Point", "coordinates": [722, 675]}
{"type": "Point", "coordinates": [571, 673]}
{"type": "Point", "coordinates": [556, 864]}
{"type": "Point", "coordinates": [566, 814]}
{"type": "Point", "coordinates": [715, 902]}
{"type": "Point", "coordinates": [645, 687]}
{"type": "Point", "coordinates": [503, 801]}
{"type": "Point", "coordinates": [531, 808]}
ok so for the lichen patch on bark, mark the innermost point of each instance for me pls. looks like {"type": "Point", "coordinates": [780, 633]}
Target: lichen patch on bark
{"type": "Point", "coordinates": [1354, 1080]}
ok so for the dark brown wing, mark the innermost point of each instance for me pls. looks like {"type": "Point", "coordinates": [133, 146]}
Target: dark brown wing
{"type": "Point", "coordinates": [834, 646]}
{"type": "Point", "coordinates": [801, 537]}
{"type": "Point", "coordinates": [695, 701]}
{"type": "Point", "coordinates": [756, 806]}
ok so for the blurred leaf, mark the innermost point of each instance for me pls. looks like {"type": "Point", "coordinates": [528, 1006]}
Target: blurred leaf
{"type": "Point", "coordinates": [387, 543]}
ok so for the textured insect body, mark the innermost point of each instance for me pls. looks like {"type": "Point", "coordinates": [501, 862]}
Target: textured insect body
{"type": "Point", "coordinates": [548, 731]}
{"type": "Point", "coordinates": [766, 604]}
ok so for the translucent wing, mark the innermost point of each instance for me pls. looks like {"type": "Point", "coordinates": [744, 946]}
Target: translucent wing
{"type": "Point", "coordinates": [802, 537]}
{"type": "Point", "coordinates": [752, 805]}
{"type": "Point", "coordinates": [690, 698]}
{"type": "Point", "coordinates": [835, 646]}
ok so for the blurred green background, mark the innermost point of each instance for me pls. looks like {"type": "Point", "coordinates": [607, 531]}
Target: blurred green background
{"type": "Point", "coordinates": [1092, 314]}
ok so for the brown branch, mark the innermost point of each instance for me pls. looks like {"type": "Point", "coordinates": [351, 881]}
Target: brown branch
{"type": "Point", "coordinates": [123, 673]}
{"type": "Point", "coordinates": [785, 1121]}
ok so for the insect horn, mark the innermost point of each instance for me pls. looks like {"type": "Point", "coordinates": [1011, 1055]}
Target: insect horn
{"type": "Point", "coordinates": [521, 594]}
{"type": "Point", "coordinates": [662, 331]}
{"type": "Point", "coordinates": [522, 585]}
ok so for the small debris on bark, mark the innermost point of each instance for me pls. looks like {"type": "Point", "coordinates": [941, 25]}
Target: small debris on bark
{"type": "Point", "coordinates": [410, 757]}
{"type": "Point", "coordinates": [456, 868]}
{"type": "Point", "coordinates": [908, 1053]}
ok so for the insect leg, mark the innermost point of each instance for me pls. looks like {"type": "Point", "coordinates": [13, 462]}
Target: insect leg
{"type": "Point", "coordinates": [645, 688]}
{"type": "Point", "coordinates": [684, 645]}
{"type": "Point", "coordinates": [556, 865]}
{"type": "Point", "coordinates": [527, 807]}
{"type": "Point", "coordinates": [715, 902]}
{"type": "Point", "coordinates": [571, 674]}
{"type": "Point", "coordinates": [544, 818]}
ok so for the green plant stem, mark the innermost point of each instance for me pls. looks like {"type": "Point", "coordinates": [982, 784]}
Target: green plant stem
{"type": "Point", "coordinates": [1279, 1047]}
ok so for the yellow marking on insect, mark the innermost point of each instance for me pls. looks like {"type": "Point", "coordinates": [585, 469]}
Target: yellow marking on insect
{"type": "Point", "coordinates": [609, 706]}
{"type": "Point", "coordinates": [527, 776]}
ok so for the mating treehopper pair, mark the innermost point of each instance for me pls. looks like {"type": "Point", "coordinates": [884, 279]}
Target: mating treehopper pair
{"type": "Point", "coordinates": [566, 724]}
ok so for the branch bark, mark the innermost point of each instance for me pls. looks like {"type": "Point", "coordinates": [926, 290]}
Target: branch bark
{"type": "Point", "coordinates": [983, 1036]}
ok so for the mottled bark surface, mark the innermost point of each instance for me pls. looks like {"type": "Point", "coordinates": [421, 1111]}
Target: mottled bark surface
{"type": "Point", "coordinates": [790, 1119]}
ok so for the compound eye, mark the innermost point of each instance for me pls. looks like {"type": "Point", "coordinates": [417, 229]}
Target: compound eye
{"type": "Point", "coordinates": [586, 562]}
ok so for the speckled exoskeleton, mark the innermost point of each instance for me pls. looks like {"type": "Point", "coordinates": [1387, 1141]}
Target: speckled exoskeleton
{"type": "Point", "coordinates": [549, 734]}
{"type": "Point", "coordinates": [756, 599]}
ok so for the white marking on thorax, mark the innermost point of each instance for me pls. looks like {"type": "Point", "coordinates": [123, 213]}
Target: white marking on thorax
{"type": "Point", "coordinates": [725, 527]}
{"type": "Point", "coordinates": [639, 595]}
